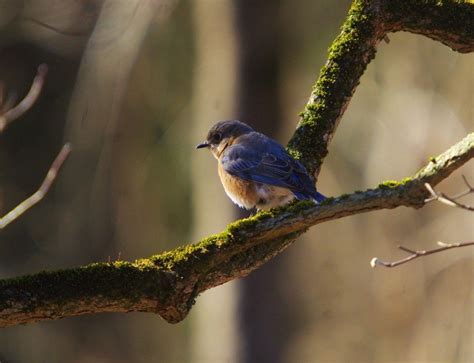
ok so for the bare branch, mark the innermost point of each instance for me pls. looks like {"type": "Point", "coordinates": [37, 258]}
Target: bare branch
{"type": "Point", "coordinates": [440, 197]}
{"type": "Point", "coordinates": [450, 201]}
{"type": "Point", "coordinates": [11, 113]}
{"type": "Point", "coordinates": [41, 192]}
{"type": "Point", "coordinates": [416, 254]}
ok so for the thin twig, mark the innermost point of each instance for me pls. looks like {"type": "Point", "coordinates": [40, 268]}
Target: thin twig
{"type": "Point", "coordinates": [41, 192]}
{"type": "Point", "coordinates": [451, 201]}
{"type": "Point", "coordinates": [415, 254]}
{"type": "Point", "coordinates": [12, 113]}
{"type": "Point", "coordinates": [470, 189]}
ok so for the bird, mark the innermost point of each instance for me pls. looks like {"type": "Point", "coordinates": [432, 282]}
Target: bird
{"type": "Point", "coordinates": [255, 170]}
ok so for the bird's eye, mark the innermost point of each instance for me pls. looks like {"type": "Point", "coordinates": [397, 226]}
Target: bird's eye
{"type": "Point", "coordinates": [216, 138]}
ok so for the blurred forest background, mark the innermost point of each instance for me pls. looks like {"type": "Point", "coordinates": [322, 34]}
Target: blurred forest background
{"type": "Point", "coordinates": [134, 85]}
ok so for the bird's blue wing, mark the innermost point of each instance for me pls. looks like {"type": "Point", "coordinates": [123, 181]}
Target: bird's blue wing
{"type": "Point", "coordinates": [267, 162]}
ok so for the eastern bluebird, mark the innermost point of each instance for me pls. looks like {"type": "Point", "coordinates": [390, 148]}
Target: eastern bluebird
{"type": "Point", "coordinates": [255, 170]}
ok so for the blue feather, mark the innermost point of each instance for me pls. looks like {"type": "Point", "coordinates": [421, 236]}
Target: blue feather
{"type": "Point", "coordinates": [256, 157]}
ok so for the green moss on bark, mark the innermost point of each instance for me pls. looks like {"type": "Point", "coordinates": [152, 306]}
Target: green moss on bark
{"type": "Point", "coordinates": [348, 57]}
{"type": "Point", "coordinates": [118, 281]}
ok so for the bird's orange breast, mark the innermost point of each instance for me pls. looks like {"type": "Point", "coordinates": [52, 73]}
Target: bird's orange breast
{"type": "Point", "coordinates": [241, 192]}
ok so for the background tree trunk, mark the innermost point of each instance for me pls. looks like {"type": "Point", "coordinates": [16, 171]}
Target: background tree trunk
{"type": "Point", "coordinates": [263, 312]}
{"type": "Point", "coordinates": [215, 336]}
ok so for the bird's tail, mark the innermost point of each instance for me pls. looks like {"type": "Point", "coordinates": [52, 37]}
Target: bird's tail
{"type": "Point", "coordinates": [315, 197]}
{"type": "Point", "coordinates": [318, 197]}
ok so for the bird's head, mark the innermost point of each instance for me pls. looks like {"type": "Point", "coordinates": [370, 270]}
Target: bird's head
{"type": "Point", "coordinates": [223, 134]}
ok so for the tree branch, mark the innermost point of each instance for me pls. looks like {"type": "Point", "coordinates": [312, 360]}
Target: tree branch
{"type": "Point", "coordinates": [368, 22]}
{"type": "Point", "coordinates": [37, 196]}
{"type": "Point", "coordinates": [348, 57]}
{"type": "Point", "coordinates": [167, 284]}
{"type": "Point", "coordinates": [11, 113]}
{"type": "Point", "coordinates": [442, 198]}
{"type": "Point", "coordinates": [450, 201]}
{"type": "Point", "coordinates": [416, 254]}
{"type": "Point", "coordinates": [449, 22]}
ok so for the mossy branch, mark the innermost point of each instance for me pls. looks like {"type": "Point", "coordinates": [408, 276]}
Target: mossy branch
{"type": "Point", "coordinates": [368, 22]}
{"type": "Point", "coordinates": [449, 22]}
{"type": "Point", "coordinates": [167, 284]}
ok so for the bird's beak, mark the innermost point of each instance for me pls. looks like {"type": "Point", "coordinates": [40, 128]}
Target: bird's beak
{"type": "Point", "coordinates": [204, 144]}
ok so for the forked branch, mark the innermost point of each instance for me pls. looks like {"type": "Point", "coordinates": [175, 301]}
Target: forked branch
{"type": "Point", "coordinates": [368, 22]}
{"type": "Point", "coordinates": [9, 113]}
